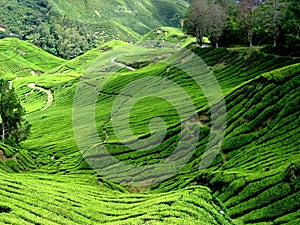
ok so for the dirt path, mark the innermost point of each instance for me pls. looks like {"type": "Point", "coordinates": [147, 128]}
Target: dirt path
{"type": "Point", "coordinates": [113, 60]}
{"type": "Point", "coordinates": [48, 92]}
{"type": "Point", "coordinates": [10, 84]}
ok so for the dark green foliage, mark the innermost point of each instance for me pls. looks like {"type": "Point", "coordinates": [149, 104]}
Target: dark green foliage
{"type": "Point", "coordinates": [291, 27]}
{"type": "Point", "coordinates": [272, 22]}
{"type": "Point", "coordinates": [14, 128]}
{"type": "Point", "coordinates": [205, 18]}
{"type": "Point", "coordinates": [12, 164]}
{"type": "Point", "coordinates": [283, 50]}
{"type": "Point", "coordinates": [4, 209]}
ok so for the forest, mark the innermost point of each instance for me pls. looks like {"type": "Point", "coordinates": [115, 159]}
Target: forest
{"type": "Point", "coordinates": [251, 22]}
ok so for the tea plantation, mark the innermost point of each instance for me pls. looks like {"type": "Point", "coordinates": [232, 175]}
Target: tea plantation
{"type": "Point", "coordinates": [254, 178]}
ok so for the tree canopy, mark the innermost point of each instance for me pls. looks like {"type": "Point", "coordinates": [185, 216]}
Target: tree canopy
{"type": "Point", "coordinates": [205, 18]}
{"type": "Point", "coordinates": [248, 22]}
{"type": "Point", "coordinates": [14, 128]}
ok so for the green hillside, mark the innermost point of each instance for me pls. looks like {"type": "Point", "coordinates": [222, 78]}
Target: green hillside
{"type": "Point", "coordinates": [137, 16]}
{"type": "Point", "coordinates": [20, 59]}
{"type": "Point", "coordinates": [254, 179]}
{"type": "Point", "coordinates": [70, 28]}
{"type": "Point", "coordinates": [32, 199]}
{"type": "Point", "coordinates": [168, 35]}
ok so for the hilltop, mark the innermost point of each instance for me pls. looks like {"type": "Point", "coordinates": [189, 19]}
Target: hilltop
{"type": "Point", "coordinates": [254, 179]}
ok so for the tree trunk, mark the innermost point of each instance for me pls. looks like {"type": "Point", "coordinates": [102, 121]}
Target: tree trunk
{"type": "Point", "coordinates": [3, 132]}
{"type": "Point", "coordinates": [250, 29]}
{"type": "Point", "coordinates": [217, 45]}
{"type": "Point", "coordinates": [199, 41]}
{"type": "Point", "coordinates": [275, 41]}
{"type": "Point", "coordinates": [250, 42]}
{"type": "Point", "coordinates": [250, 39]}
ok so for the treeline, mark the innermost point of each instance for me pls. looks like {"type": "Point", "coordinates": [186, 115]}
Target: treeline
{"type": "Point", "coordinates": [251, 22]}
{"type": "Point", "coordinates": [225, 22]}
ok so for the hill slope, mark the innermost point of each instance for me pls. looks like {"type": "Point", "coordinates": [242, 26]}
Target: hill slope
{"type": "Point", "coordinates": [19, 58]}
{"type": "Point", "coordinates": [138, 16]}
{"type": "Point", "coordinates": [257, 174]}
{"type": "Point", "coordinates": [32, 199]}
{"type": "Point", "coordinates": [253, 175]}
{"type": "Point", "coordinates": [69, 28]}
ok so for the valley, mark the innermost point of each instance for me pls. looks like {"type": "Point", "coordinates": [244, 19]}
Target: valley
{"type": "Point", "coordinates": [149, 127]}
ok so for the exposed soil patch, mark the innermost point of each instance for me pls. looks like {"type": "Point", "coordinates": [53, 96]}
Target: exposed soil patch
{"type": "Point", "coordinates": [203, 119]}
{"type": "Point", "coordinates": [3, 156]}
{"type": "Point", "coordinates": [21, 52]}
{"type": "Point", "coordinates": [14, 157]}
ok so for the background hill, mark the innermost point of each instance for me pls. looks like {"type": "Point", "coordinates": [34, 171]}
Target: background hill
{"type": "Point", "coordinates": [19, 59]}
{"type": "Point", "coordinates": [69, 28]}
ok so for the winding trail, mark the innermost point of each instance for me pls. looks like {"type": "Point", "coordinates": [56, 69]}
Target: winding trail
{"type": "Point", "coordinates": [113, 60]}
{"type": "Point", "coordinates": [48, 92]}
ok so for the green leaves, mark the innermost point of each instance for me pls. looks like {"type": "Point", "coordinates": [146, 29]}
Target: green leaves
{"type": "Point", "coordinates": [14, 128]}
{"type": "Point", "coordinates": [205, 18]}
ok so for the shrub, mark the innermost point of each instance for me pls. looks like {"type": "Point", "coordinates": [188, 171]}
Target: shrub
{"type": "Point", "coordinates": [13, 165]}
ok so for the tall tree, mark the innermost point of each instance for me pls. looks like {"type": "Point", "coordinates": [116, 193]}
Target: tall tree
{"type": "Point", "coordinates": [291, 25]}
{"type": "Point", "coordinates": [216, 23]}
{"type": "Point", "coordinates": [14, 128]}
{"type": "Point", "coordinates": [205, 18]}
{"type": "Point", "coordinates": [246, 17]}
{"type": "Point", "coordinates": [271, 16]}
{"type": "Point", "coordinates": [229, 6]}
{"type": "Point", "coordinates": [195, 21]}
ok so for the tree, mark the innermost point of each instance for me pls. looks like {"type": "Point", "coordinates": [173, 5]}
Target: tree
{"type": "Point", "coordinates": [71, 39]}
{"type": "Point", "coordinates": [272, 15]}
{"type": "Point", "coordinates": [14, 128]}
{"type": "Point", "coordinates": [246, 17]}
{"type": "Point", "coordinates": [230, 6]}
{"type": "Point", "coordinates": [216, 23]}
{"type": "Point", "coordinates": [195, 21]}
{"type": "Point", "coordinates": [204, 18]}
{"type": "Point", "coordinates": [291, 25]}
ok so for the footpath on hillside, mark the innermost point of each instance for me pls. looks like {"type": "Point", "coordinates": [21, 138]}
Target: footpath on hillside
{"type": "Point", "coordinates": [113, 60]}
{"type": "Point", "coordinates": [48, 92]}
